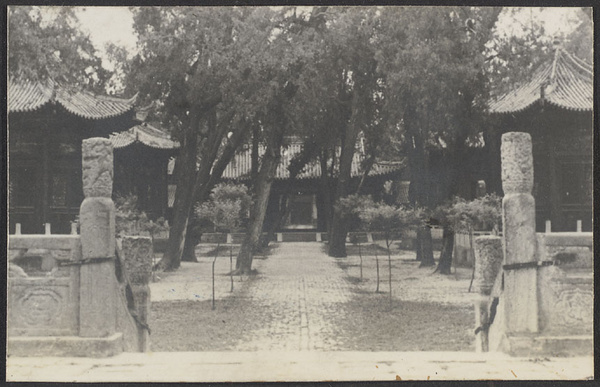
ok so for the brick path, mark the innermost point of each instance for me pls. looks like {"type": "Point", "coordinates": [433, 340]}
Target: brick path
{"type": "Point", "coordinates": [301, 288]}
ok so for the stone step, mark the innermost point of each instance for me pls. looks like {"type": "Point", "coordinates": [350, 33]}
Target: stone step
{"type": "Point", "coordinates": [65, 346]}
{"type": "Point", "coordinates": [554, 346]}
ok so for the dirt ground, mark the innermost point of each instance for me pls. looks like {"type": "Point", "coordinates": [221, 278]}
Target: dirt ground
{"type": "Point", "coordinates": [428, 311]}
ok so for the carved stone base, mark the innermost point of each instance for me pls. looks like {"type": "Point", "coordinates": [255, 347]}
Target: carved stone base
{"type": "Point", "coordinates": [550, 346]}
{"type": "Point", "coordinates": [69, 346]}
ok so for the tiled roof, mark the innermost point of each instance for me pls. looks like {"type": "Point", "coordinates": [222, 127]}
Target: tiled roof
{"type": "Point", "coordinates": [566, 81]}
{"type": "Point", "coordinates": [240, 166]}
{"type": "Point", "coordinates": [25, 96]}
{"type": "Point", "coordinates": [143, 134]}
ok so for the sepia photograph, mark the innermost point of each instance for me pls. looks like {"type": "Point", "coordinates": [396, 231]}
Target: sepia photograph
{"type": "Point", "coordinates": [299, 193]}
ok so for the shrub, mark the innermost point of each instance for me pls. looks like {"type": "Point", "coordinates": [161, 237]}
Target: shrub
{"type": "Point", "coordinates": [227, 208]}
{"type": "Point", "coordinates": [484, 213]}
{"type": "Point", "coordinates": [129, 220]}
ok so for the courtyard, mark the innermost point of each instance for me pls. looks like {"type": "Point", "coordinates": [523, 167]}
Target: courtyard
{"type": "Point", "coordinates": [304, 317]}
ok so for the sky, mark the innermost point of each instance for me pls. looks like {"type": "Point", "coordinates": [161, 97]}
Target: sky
{"type": "Point", "coordinates": [114, 24]}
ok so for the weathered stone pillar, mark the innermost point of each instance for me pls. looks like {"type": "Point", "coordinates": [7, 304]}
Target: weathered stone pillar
{"type": "Point", "coordinates": [518, 218]}
{"type": "Point", "coordinates": [488, 261]}
{"type": "Point", "coordinates": [137, 259]}
{"type": "Point", "coordinates": [97, 311]}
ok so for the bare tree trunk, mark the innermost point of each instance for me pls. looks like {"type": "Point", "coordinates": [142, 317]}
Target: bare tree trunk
{"type": "Point", "coordinates": [425, 246]}
{"type": "Point", "coordinates": [189, 182]}
{"type": "Point", "coordinates": [445, 263]}
{"type": "Point", "coordinates": [369, 165]}
{"type": "Point", "coordinates": [326, 190]}
{"type": "Point", "coordinates": [185, 171]}
{"type": "Point", "coordinates": [377, 266]}
{"type": "Point", "coordinates": [388, 243]}
{"type": "Point", "coordinates": [193, 235]}
{"type": "Point", "coordinates": [337, 238]}
{"type": "Point", "coordinates": [262, 191]}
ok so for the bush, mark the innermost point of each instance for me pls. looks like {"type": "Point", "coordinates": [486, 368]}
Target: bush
{"type": "Point", "coordinates": [484, 213]}
{"type": "Point", "coordinates": [226, 210]}
{"type": "Point", "coordinates": [351, 207]}
{"type": "Point", "coordinates": [129, 220]}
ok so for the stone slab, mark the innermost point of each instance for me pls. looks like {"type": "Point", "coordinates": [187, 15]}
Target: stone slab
{"type": "Point", "coordinates": [554, 346]}
{"type": "Point", "coordinates": [298, 366]}
{"type": "Point", "coordinates": [70, 346]}
{"type": "Point", "coordinates": [49, 242]}
{"type": "Point", "coordinates": [42, 306]}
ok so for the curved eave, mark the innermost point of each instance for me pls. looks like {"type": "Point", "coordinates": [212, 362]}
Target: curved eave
{"type": "Point", "coordinates": [566, 84]}
{"type": "Point", "coordinates": [139, 143]}
{"type": "Point", "coordinates": [27, 96]}
{"type": "Point", "coordinates": [539, 102]}
{"type": "Point", "coordinates": [91, 107]}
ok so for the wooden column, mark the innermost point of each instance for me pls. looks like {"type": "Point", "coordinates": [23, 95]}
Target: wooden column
{"type": "Point", "coordinates": [555, 199]}
{"type": "Point", "coordinates": [45, 202]}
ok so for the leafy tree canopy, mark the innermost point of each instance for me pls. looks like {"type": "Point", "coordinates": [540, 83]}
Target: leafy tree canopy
{"type": "Point", "coordinates": [50, 45]}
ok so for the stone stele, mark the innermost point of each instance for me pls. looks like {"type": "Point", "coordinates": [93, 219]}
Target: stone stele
{"type": "Point", "coordinates": [137, 254]}
{"type": "Point", "coordinates": [517, 163]}
{"type": "Point", "coordinates": [488, 260]}
{"type": "Point", "coordinates": [97, 164]}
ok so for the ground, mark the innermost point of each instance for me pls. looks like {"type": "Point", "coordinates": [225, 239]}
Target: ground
{"type": "Point", "coordinates": [301, 299]}
{"type": "Point", "coordinates": [306, 317]}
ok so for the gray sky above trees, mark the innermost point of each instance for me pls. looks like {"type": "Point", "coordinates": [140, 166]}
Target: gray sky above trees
{"type": "Point", "coordinates": [114, 24]}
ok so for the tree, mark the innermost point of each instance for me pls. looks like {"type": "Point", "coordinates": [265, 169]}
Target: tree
{"type": "Point", "coordinates": [392, 221]}
{"type": "Point", "coordinates": [436, 91]}
{"type": "Point", "coordinates": [339, 96]}
{"type": "Point", "coordinates": [461, 215]}
{"type": "Point", "coordinates": [226, 209]}
{"type": "Point", "coordinates": [351, 208]}
{"type": "Point", "coordinates": [291, 48]}
{"type": "Point", "coordinates": [42, 47]}
{"type": "Point", "coordinates": [201, 67]}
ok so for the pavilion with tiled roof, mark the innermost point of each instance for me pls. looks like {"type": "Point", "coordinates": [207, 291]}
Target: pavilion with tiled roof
{"type": "Point", "coordinates": [555, 105]}
{"type": "Point", "coordinates": [240, 167]}
{"type": "Point", "coordinates": [47, 123]}
{"type": "Point", "coordinates": [301, 199]}
{"type": "Point", "coordinates": [142, 156]}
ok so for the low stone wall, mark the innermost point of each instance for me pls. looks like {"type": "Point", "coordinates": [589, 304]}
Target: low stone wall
{"type": "Point", "coordinates": [566, 288]}
{"type": "Point", "coordinates": [43, 291]}
{"type": "Point", "coordinates": [64, 298]}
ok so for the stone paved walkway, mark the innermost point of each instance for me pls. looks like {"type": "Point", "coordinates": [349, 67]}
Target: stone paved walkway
{"type": "Point", "coordinates": [301, 288]}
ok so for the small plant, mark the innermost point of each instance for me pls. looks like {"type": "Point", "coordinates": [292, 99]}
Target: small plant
{"type": "Point", "coordinates": [392, 221]}
{"type": "Point", "coordinates": [377, 266]}
{"type": "Point", "coordinates": [213, 275]}
{"type": "Point", "coordinates": [356, 241]}
{"type": "Point", "coordinates": [351, 207]}
{"type": "Point", "coordinates": [483, 213]}
{"type": "Point", "coordinates": [226, 210]}
{"type": "Point", "coordinates": [129, 220]}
